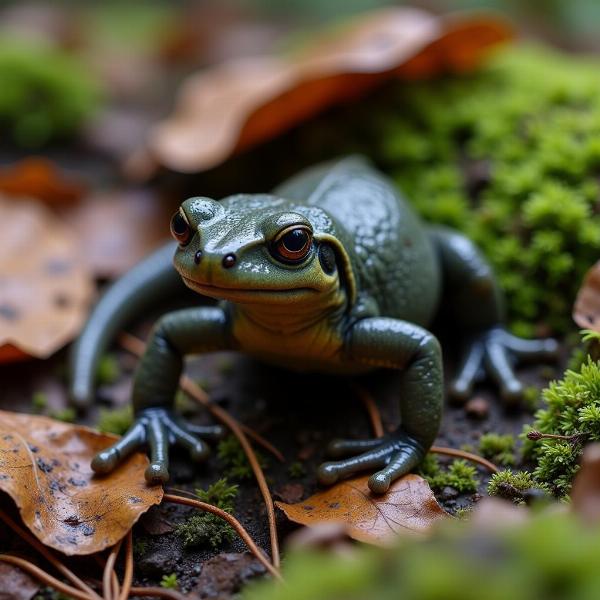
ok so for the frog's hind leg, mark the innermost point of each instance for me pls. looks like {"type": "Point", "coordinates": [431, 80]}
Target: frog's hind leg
{"type": "Point", "coordinates": [475, 305]}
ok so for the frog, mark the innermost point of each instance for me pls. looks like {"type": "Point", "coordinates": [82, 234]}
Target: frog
{"type": "Point", "coordinates": [331, 272]}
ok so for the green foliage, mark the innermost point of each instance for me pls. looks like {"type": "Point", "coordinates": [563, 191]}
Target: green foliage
{"type": "Point", "coordinates": [296, 470]}
{"type": "Point", "coordinates": [512, 485]}
{"type": "Point", "coordinates": [572, 408]}
{"type": "Point", "coordinates": [205, 528]}
{"type": "Point", "coordinates": [115, 420]}
{"type": "Point", "coordinates": [108, 370]}
{"type": "Point", "coordinates": [459, 475]}
{"type": "Point", "coordinates": [44, 93]}
{"type": "Point", "coordinates": [67, 415]}
{"type": "Point", "coordinates": [549, 556]}
{"type": "Point", "coordinates": [39, 401]}
{"type": "Point", "coordinates": [169, 581]}
{"type": "Point", "coordinates": [140, 547]}
{"type": "Point", "coordinates": [498, 448]}
{"type": "Point", "coordinates": [232, 455]}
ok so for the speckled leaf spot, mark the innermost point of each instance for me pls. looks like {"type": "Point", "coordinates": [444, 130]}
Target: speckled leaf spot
{"type": "Point", "coordinates": [408, 508]}
{"type": "Point", "coordinates": [45, 469]}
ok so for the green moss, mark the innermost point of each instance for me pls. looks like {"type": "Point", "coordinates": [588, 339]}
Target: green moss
{"type": "Point", "coordinates": [296, 470]}
{"type": "Point", "coordinates": [549, 556]}
{"type": "Point", "coordinates": [115, 420]}
{"type": "Point", "coordinates": [498, 448]}
{"type": "Point", "coordinates": [140, 547]}
{"type": "Point", "coordinates": [512, 485]}
{"type": "Point", "coordinates": [572, 409]}
{"type": "Point", "coordinates": [108, 370]}
{"type": "Point", "coordinates": [169, 581]}
{"type": "Point", "coordinates": [67, 415]}
{"type": "Point", "coordinates": [460, 475]}
{"type": "Point", "coordinates": [39, 401]}
{"type": "Point", "coordinates": [232, 455]}
{"type": "Point", "coordinates": [205, 528]}
{"type": "Point", "coordinates": [44, 93]}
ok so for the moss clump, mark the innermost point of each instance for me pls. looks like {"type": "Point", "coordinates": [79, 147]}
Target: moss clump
{"type": "Point", "coordinates": [498, 448]}
{"type": "Point", "coordinates": [108, 370]}
{"type": "Point", "coordinates": [513, 485]}
{"type": "Point", "coordinates": [459, 475]}
{"type": "Point", "coordinates": [67, 415]}
{"type": "Point", "coordinates": [572, 409]}
{"type": "Point", "coordinates": [296, 470]}
{"type": "Point", "coordinates": [39, 401]}
{"type": "Point", "coordinates": [169, 581]}
{"type": "Point", "coordinates": [232, 455]}
{"type": "Point", "coordinates": [205, 528]}
{"type": "Point", "coordinates": [115, 420]}
{"type": "Point", "coordinates": [44, 93]}
{"type": "Point", "coordinates": [548, 556]}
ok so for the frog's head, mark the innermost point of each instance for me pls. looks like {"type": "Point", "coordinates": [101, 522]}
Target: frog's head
{"type": "Point", "coordinates": [260, 249]}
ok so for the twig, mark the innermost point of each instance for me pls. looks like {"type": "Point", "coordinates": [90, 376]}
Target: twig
{"type": "Point", "coordinates": [157, 592]}
{"type": "Point", "coordinates": [128, 576]}
{"type": "Point", "coordinates": [136, 346]}
{"type": "Point", "coordinates": [233, 522]}
{"type": "Point", "coordinates": [466, 455]}
{"type": "Point", "coordinates": [44, 577]}
{"type": "Point", "coordinates": [538, 435]}
{"type": "Point", "coordinates": [372, 410]}
{"type": "Point", "coordinates": [110, 583]}
{"type": "Point", "coordinates": [47, 554]}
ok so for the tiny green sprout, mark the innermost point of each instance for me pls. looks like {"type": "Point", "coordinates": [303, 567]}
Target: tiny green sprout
{"type": "Point", "coordinates": [169, 581]}
{"type": "Point", "coordinates": [589, 335]}
{"type": "Point", "coordinates": [296, 470]}
{"type": "Point", "coordinates": [39, 401]}
{"type": "Point", "coordinates": [463, 513]}
{"type": "Point", "coordinates": [108, 370]}
{"type": "Point", "coordinates": [140, 547]}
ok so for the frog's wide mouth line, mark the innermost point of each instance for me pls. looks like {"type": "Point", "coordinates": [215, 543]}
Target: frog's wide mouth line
{"type": "Point", "coordinates": [217, 290]}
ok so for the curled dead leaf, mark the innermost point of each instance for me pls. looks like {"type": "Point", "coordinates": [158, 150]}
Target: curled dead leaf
{"type": "Point", "coordinates": [243, 102]}
{"type": "Point", "coordinates": [45, 469]}
{"type": "Point", "coordinates": [45, 290]}
{"type": "Point", "coordinates": [409, 507]}
{"type": "Point", "coordinates": [40, 178]}
{"type": "Point", "coordinates": [586, 312]}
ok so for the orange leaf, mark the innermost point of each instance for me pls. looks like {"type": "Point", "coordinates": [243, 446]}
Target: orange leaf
{"type": "Point", "coordinates": [409, 507]}
{"type": "Point", "coordinates": [586, 312]}
{"type": "Point", "coordinates": [40, 178]}
{"type": "Point", "coordinates": [45, 469]}
{"type": "Point", "coordinates": [45, 290]}
{"type": "Point", "coordinates": [244, 102]}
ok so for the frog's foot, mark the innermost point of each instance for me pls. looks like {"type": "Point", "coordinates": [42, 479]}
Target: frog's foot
{"type": "Point", "coordinates": [157, 428]}
{"type": "Point", "coordinates": [394, 455]}
{"type": "Point", "coordinates": [494, 352]}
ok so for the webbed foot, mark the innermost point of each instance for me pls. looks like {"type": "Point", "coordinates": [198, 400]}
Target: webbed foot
{"type": "Point", "coordinates": [494, 352]}
{"type": "Point", "coordinates": [394, 455]}
{"type": "Point", "coordinates": [157, 428]}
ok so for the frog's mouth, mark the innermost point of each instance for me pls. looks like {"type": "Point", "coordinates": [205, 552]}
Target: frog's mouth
{"type": "Point", "coordinates": [249, 295]}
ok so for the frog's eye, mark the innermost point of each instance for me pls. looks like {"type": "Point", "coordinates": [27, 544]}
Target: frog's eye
{"type": "Point", "coordinates": [180, 228]}
{"type": "Point", "coordinates": [292, 244]}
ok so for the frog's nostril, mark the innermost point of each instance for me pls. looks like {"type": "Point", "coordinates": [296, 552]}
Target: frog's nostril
{"type": "Point", "coordinates": [229, 260]}
{"type": "Point", "coordinates": [198, 257]}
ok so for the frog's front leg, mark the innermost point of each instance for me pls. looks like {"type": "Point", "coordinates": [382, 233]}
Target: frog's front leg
{"type": "Point", "coordinates": [393, 344]}
{"type": "Point", "coordinates": [189, 331]}
{"type": "Point", "coordinates": [474, 303]}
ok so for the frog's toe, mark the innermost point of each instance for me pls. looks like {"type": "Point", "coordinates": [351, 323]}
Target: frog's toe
{"type": "Point", "coordinates": [531, 349]}
{"type": "Point", "coordinates": [180, 434]}
{"type": "Point", "coordinates": [470, 365]}
{"type": "Point", "coordinates": [106, 461]}
{"type": "Point", "coordinates": [341, 448]}
{"type": "Point", "coordinates": [212, 433]}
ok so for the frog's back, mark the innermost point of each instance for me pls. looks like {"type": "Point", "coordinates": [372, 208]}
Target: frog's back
{"type": "Point", "coordinates": [393, 258]}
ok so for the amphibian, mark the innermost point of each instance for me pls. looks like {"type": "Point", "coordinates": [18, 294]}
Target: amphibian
{"type": "Point", "coordinates": [331, 272]}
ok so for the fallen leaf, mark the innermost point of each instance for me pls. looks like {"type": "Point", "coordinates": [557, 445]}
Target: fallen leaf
{"type": "Point", "coordinates": [45, 290]}
{"type": "Point", "coordinates": [585, 495]}
{"type": "Point", "coordinates": [409, 507]}
{"type": "Point", "coordinates": [15, 584]}
{"type": "Point", "coordinates": [243, 102]}
{"type": "Point", "coordinates": [45, 469]}
{"type": "Point", "coordinates": [41, 179]}
{"type": "Point", "coordinates": [289, 492]}
{"type": "Point", "coordinates": [154, 523]}
{"type": "Point", "coordinates": [117, 229]}
{"type": "Point", "coordinates": [586, 312]}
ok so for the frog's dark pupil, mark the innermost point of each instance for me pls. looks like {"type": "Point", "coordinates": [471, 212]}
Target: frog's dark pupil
{"type": "Point", "coordinates": [295, 240]}
{"type": "Point", "coordinates": [179, 225]}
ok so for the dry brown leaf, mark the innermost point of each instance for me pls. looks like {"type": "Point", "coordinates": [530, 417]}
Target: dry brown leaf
{"type": "Point", "coordinates": [15, 584]}
{"type": "Point", "coordinates": [409, 507]}
{"type": "Point", "coordinates": [45, 469]}
{"type": "Point", "coordinates": [40, 178]}
{"type": "Point", "coordinates": [246, 101]}
{"type": "Point", "coordinates": [117, 229]}
{"type": "Point", "coordinates": [586, 312]}
{"type": "Point", "coordinates": [45, 290]}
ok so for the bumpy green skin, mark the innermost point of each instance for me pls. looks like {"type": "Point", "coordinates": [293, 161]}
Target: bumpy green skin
{"type": "Point", "coordinates": [361, 299]}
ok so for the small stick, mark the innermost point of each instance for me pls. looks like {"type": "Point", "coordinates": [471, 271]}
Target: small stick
{"type": "Point", "coordinates": [136, 346]}
{"type": "Point", "coordinates": [128, 576]}
{"type": "Point", "coordinates": [44, 577]}
{"type": "Point", "coordinates": [372, 410]}
{"type": "Point", "coordinates": [538, 435]}
{"type": "Point", "coordinates": [47, 554]}
{"type": "Point", "coordinates": [466, 455]}
{"type": "Point", "coordinates": [110, 587]}
{"type": "Point", "coordinates": [233, 522]}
